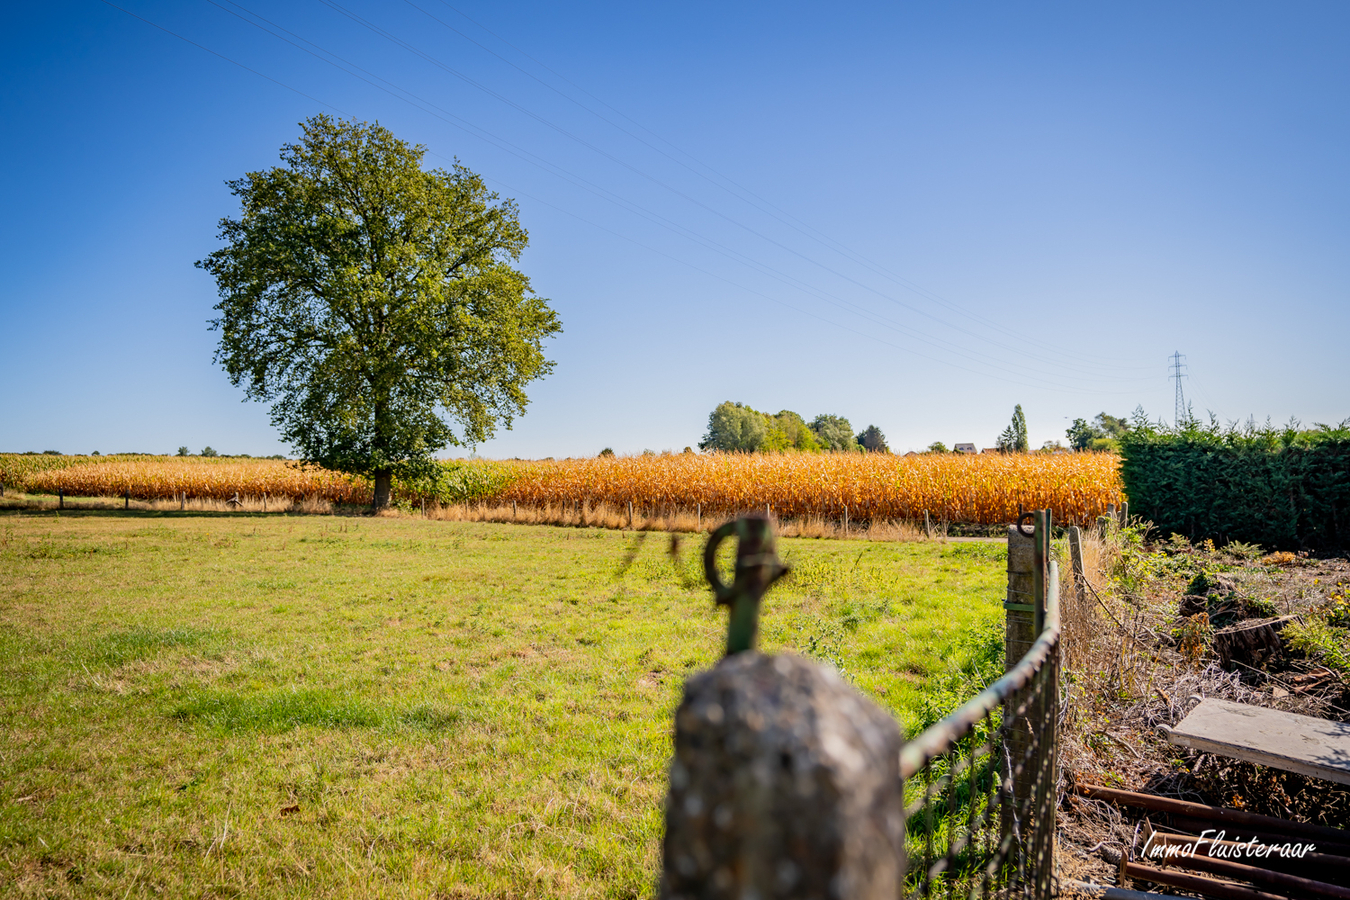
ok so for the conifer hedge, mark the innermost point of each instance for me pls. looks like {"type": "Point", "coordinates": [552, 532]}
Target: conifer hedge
{"type": "Point", "coordinates": [1281, 488]}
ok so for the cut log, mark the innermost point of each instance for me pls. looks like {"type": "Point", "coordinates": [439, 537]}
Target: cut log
{"type": "Point", "coordinates": [1253, 643]}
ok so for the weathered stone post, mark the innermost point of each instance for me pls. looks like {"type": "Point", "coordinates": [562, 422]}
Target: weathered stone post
{"type": "Point", "coordinates": [785, 781]}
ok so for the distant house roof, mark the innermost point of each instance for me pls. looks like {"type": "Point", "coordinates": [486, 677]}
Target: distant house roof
{"type": "Point", "coordinates": [964, 448]}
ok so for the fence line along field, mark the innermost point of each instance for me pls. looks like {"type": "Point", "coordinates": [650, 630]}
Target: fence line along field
{"type": "Point", "coordinates": [984, 489]}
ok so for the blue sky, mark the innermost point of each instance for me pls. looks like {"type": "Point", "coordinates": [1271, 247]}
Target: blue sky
{"type": "Point", "coordinates": [915, 216]}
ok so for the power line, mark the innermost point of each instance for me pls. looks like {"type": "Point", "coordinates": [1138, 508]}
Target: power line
{"type": "Point", "coordinates": [757, 202]}
{"type": "Point", "coordinates": [224, 57]}
{"type": "Point", "coordinates": [507, 146]}
{"type": "Point", "coordinates": [736, 256]}
{"type": "Point", "coordinates": [780, 302]}
{"type": "Point", "coordinates": [405, 45]}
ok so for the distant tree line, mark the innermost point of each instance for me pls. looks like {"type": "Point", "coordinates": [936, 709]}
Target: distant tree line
{"type": "Point", "coordinates": [735, 427]}
{"type": "Point", "coordinates": [209, 452]}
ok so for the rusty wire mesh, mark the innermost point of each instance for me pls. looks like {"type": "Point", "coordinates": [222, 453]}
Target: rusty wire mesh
{"type": "Point", "coordinates": [980, 785]}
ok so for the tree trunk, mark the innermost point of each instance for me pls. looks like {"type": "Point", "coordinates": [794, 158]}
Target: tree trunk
{"type": "Point", "coordinates": [384, 482]}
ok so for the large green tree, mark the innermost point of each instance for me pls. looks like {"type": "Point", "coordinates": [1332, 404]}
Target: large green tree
{"type": "Point", "coordinates": [375, 304]}
{"type": "Point", "coordinates": [734, 427]}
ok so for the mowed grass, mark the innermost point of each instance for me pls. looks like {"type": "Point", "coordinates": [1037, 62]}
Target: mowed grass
{"type": "Point", "coordinates": [254, 706]}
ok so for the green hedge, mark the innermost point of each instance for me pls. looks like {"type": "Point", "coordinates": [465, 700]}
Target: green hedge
{"type": "Point", "coordinates": [1280, 488]}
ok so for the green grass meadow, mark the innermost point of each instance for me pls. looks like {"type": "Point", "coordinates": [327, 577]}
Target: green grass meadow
{"type": "Point", "coordinates": [271, 706]}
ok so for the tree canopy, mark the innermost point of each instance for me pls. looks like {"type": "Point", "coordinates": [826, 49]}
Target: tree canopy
{"type": "Point", "coordinates": [735, 427]}
{"type": "Point", "coordinates": [872, 440]}
{"type": "Point", "coordinates": [1103, 434]}
{"type": "Point", "coordinates": [833, 432]}
{"type": "Point", "coordinates": [788, 431]}
{"type": "Point", "coordinates": [373, 303]}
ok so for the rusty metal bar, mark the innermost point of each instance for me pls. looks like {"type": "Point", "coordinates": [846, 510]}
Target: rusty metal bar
{"type": "Point", "coordinates": [1312, 862]}
{"type": "Point", "coordinates": [1210, 887]}
{"type": "Point", "coordinates": [1281, 881]}
{"type": "Point", "coordinates": [1232, 817]}
{"type": "Point", "coordinates": [1335, 849]}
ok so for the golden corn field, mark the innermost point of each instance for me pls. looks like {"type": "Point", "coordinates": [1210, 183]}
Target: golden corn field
{"type": "Point", "coordinates": [984, 489]}
{"type": "Point", "coordinates": [162, 478]}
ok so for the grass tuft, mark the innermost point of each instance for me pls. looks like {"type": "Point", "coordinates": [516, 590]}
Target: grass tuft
{"type": "Point", "coordinates": [426, 717]}
{"type": "Point", "coordinates": [980, 550]}
{"type": "Point", "coordinates": [278, 711]}
{"type": "Point", "coordinates": [121, 647]}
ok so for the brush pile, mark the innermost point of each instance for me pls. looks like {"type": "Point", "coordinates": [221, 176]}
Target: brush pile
{"type": "Point", "coordinates": [1159, 625]}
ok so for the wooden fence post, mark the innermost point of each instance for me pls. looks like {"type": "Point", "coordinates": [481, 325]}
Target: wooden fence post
{"type": "Point", "coordinates": [845, 521]}
{"type": "Point", "coordinates": [1029, 573]}
{"type": "Point", "coordinates": [1019, 635]}
{"type": "Point", "coordinates": [927, 525]}
{"type": "Point", "coordinates": [698, 516]}
{"type": "Point", "coordinates": [630, 513]}
{"type": "Point", "coordinates": [60, 498]}
{"type": "Point", "coordinates": [126, 499]}
{"type": "Point", "coordinates": [513, 510]}
{"type": "Point", "coordinates": [1124, 513]}
{"type": "Point", "coordinates": [1076, 556]}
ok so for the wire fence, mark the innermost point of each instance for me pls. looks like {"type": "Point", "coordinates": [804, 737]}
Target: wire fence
{"type": "Point", "coordinates": [980, 785]}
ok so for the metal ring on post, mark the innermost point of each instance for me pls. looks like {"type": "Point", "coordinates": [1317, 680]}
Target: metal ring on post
{"type": "Point", "coordinates": [721, 592]}
{"type": "Point", "coordinates": [757, 567]}
{"type": "Point", "coordinates": [1026, 517]}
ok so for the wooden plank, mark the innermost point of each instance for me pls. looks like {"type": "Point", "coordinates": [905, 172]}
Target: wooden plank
{"type": "Point", "coordinates": [1315, 747]}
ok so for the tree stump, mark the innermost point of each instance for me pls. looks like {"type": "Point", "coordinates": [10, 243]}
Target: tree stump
{"type": "Point", "coordinates": [785, 783]}
{"type": "Point", "coordinates": [1255, 642]}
